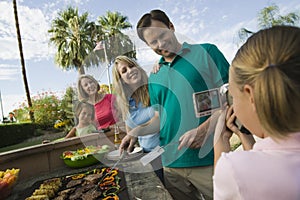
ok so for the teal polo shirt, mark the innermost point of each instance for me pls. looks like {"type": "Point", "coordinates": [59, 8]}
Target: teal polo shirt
{"type": "Point", "coordinates": [196, 68]}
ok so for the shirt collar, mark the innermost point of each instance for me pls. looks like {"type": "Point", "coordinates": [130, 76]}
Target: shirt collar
{"type": "Point", "coordinates": [291, 142]}
{"type": "Point", "coordinates": [133, 105]}
{"type": "Point", "coordinates": [184, 49]}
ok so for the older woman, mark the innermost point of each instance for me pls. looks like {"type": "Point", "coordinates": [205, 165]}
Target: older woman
{"type": "Point", "coordinates": [106, 114]}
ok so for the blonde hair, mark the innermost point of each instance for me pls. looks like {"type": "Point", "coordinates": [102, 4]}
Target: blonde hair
{"type": "Point", "coordinates": [123, 90]}
{"type": "Point", "coordinates": [82, 95]}
{"type": "Point", "coordinates": [270, 62]}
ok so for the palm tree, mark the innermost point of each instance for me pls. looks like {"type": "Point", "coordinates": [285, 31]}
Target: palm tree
{"type": "Point", "coordinates": [31, 113]}
{"type": "Point", "coordinates": [73, 36]}
{"type": "Point", "coordinates": [114, 41]}
{"type": "Point", "coordinates": [268, 17]}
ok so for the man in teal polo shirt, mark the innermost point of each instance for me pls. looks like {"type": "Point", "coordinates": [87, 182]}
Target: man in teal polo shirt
{"type": "Point", "coordinates": [184, 69]}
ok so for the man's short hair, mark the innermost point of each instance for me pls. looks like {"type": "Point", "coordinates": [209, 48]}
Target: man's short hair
{"type": "Point", "coordinates": [145, 21]}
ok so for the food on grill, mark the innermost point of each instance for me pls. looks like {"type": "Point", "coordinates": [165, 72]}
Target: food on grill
{"type": "Point", "coordinates": [73, 183]}
{"type": "Point", "coordinates": [47, 190]}
{"type": "Point", "coordinates": [91, 185]}
{"type": "Point", "coordinates": [38, 197]}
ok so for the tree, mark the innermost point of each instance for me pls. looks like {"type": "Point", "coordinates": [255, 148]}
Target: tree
{"type": "Point", "coordinates": [268, 17]}
{"type": "Point", "coordinates": [114, 41]}
{"type": "Point", "coordinates": [31, 113]}
{"type": "Point", "coordinates": [73, 35]}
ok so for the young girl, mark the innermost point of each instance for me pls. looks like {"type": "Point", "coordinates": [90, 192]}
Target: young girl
{"type": "Point", "coordinates": [84, 113]}
{"type": "Point", "coordinates": [265, 86]}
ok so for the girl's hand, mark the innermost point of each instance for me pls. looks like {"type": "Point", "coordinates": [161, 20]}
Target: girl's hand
{"type": "Point", "coordinates": [230, 120]}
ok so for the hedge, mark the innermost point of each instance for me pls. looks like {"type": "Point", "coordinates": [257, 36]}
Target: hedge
{"type": "Point", "coordinates": [14, 133]}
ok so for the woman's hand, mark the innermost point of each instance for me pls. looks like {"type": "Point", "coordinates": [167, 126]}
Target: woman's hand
{"type": "Point", "coordinates": [155, 68]}
{"type": "Point", "coordinates": [127, 143]}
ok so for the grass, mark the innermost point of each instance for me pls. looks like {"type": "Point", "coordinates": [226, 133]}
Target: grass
{"type": "Point", "coordinates": [19, 146]}
{"type": "Point", "coordinates": [34, 141]}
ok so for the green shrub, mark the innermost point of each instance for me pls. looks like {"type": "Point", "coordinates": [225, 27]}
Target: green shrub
{"type": "Point", "coordinates": [49, 109]}
{"type": "Point", "coordinates": [14, 133]}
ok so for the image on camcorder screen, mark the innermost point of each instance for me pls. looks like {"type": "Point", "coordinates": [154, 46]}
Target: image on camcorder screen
{"type": "Point", "coordinates": [208, 100]}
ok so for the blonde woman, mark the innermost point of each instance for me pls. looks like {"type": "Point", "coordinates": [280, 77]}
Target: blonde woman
{"type": "Point", "coordinates": [265, 86]}
{"type": "Point", "coordinates": [131, 84]}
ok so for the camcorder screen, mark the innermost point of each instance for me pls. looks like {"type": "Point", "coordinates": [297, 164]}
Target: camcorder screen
{"type": "Point", "coordinates": [206, 102]}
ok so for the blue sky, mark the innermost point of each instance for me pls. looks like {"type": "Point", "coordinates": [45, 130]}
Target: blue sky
{"type": "Point", "coordinates": [196, 21]}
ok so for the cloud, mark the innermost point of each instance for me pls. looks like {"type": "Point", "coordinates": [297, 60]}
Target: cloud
{"type": "Point", "coordinates": [7, 72]}
{"type": "Point", "coordinates": [11, 102]}
{"type": "Point", "coordinates": [33, 27]}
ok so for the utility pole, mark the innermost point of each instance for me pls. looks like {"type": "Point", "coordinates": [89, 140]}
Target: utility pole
{"type": "Point", "coordinates": [101, 45]}
{"type": "Point", "coordinates": [1, 106]}
{"type": "Point", "coordinates": [107, 67]}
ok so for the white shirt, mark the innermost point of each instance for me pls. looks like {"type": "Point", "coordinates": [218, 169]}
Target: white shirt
{"type": "Point", "coordinates": [270, 171]}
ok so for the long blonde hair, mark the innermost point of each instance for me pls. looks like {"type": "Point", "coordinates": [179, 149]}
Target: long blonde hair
{"type": "Point", "coordinates": [270, 62]}
{"type": "Point", "coordinates": [82, 95]}
{"type": "Point", "coordinates": [123, 90]}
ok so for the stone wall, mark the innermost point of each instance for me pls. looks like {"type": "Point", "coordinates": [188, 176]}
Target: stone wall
{"type": "Point", "coordinates": [45, 158]}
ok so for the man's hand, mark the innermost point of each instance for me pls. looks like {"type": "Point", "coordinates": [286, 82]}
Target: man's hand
{"type": "Point", "coordinates": [191, 139]}
{"type": "Point", "coordinates": [196, 137]}
{"type": "Point", "coordinates": [127, 143]}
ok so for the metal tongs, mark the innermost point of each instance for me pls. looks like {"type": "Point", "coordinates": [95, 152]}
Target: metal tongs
{"type": "Point", "coordinates": [124, 153]}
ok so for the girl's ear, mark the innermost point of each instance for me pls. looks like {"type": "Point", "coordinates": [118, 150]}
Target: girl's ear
{"type": "Point", "coordinates": [249, 92]}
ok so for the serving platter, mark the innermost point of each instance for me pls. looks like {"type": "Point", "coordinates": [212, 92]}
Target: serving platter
{"type": "Point", "coordinates": [88, 161]}
{"type": "Point", "coordinates": [115, 155]}
{"type": "Point", "coordinates": [84, 157]}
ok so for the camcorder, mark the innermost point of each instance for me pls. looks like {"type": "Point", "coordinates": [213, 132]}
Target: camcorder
{"type": "Point", "coordinates": [209, 101]}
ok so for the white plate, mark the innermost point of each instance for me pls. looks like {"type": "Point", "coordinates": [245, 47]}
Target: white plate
{"type": "Point", "coordinates": [115, 155]}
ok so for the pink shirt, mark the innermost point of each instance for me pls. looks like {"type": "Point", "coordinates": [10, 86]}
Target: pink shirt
{"type": "Point", "coordinates": [104, 112]}
{"type": "Point", "coordinates": [270, 171]}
